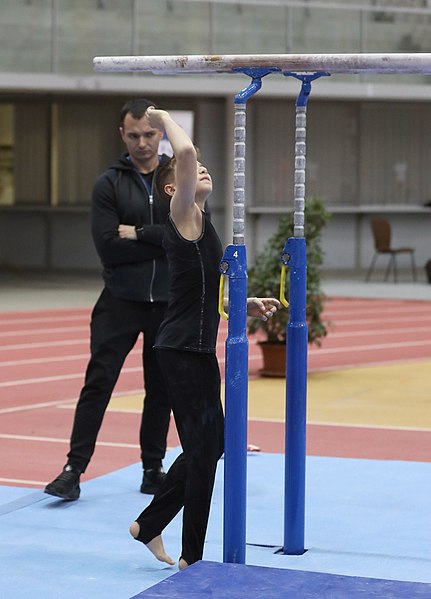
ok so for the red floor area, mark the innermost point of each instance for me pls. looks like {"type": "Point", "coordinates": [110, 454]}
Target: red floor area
{"type": "Point", "coordinates": [43, 355]}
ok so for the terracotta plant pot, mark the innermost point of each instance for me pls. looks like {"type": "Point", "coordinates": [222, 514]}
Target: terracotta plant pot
{"type": "Point", "coordinates": [274, 359]}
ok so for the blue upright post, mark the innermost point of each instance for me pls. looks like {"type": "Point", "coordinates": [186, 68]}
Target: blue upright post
{"type": "Point", "coordinates": [294, 256]}
{"type": "Point", "coordinates": [234, 267]}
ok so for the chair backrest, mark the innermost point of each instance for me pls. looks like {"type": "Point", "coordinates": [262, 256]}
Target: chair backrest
{"type": "Point", "coordinates": [382, 234]}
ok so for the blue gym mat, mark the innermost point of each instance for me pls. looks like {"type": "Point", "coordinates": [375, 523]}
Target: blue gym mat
{"type": "Point", "coordinates": [235, 581]}
{"type": "Point", "coordinates": [364, 518]}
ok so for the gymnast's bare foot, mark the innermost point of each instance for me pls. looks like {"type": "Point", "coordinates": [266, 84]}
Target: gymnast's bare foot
{"type": "Point", "coordinates": [155, 545]}
{"type": "Point", "coordinates": [182, 564]}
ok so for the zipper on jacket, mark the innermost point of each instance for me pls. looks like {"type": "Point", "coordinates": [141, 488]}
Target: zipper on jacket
{"type": "Point", "coordinates": [151, 202]}
{"type": "Point", "coordinates": [150, 193]}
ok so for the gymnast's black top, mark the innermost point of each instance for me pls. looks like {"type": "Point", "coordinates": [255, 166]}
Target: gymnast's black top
{"type": "Point", "coordinates": [191, 319]}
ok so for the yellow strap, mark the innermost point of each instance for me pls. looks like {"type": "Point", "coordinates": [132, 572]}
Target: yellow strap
{"type": "Point", "coordinates": [221, 311]}
{"type": "Point", "coordinates": [283, 299]}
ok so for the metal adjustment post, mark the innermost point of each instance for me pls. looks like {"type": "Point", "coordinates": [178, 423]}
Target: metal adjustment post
{"type": "Point", "coordinates": [234, 267]}
{"type": "Point", "coordinates": [300, 148]}
{"type": "Point", "coordinates": [294, 255]}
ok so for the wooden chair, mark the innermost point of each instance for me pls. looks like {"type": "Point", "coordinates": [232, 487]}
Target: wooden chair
{"type": "Point", "coordinates": [382, 245]}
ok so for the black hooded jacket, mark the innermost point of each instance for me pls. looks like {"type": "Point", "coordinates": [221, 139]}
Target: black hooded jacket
{"type": "Point", "coordinates": [132, 270]}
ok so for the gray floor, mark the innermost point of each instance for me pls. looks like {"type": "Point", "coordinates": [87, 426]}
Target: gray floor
{"type": "Point", "coordinates": [39, 291]}
{"type": "Point", "coordinates": [352, 284]}
{"type": "Point", "coordinates": [34, 291]}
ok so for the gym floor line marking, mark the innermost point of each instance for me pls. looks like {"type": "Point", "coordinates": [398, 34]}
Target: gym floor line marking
{"type": "Point", "coordinates": [62, 377]}
{"type": "Point", "coordinates": [368, 332]}
{"type": "Point", "coordinates": [320, 351]}
{"type": "Point", "coordinates": [135, 351]}
{"type": "Point", "coordinates": [111, 409]}
{"type": "Point", "coordinates": [82, 340]}
{"type": "Point", "coordinates": [329, 310]}
{"type": "Point", "coordinates": [23, 481]}
{"type": "Point", "coordinates": [40, 344]}
{"type": "Point", "coordinates": [373, 426]}
{"type": "Point", "coordinates": [360, 348]}
{"type": "Point", "coordinates": [31, 332]}
{"type": "Point", "coordinates": [58, 403]}
{"type": "Point", "coordinates": [42, 319]}
{"type": "Point", "coordinates": [345, 425]}
{"type": "Point", "coordinates": [356, 366]}
{"type": "Point", "coordinates": [66, 358]}
{"type": "Point", "coordinates": [379, 321]}
{"type": "Point", "coordinates": [333, 334]}
{"type": "Point", "coordinates": [60, 440]}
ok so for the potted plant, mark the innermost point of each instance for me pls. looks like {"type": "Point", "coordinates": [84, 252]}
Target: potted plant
{"type": "Point", "coordinates": [264, 280]}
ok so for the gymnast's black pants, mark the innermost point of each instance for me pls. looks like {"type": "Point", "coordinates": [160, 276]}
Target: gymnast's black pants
{"type": "Point", "coordinates": [193, 381]}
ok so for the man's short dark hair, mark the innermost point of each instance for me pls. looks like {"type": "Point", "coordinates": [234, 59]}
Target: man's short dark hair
{"type": "Point", "coordinates": [136, 108]}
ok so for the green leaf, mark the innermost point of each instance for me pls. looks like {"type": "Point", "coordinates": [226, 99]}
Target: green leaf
{"type": "Point", "coordinates": [264, 276]}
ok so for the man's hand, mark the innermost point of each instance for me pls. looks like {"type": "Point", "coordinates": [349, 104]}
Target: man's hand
{"type": "Point", "coordinates": [127, 232]}
{"type": "Point", "coordinates": [262, 307]}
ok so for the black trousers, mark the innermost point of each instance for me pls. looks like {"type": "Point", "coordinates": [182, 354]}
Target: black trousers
{"type": "Point", "coordinates": [115, 327]}
{"type": "Point", "coordinates": [193, 381]}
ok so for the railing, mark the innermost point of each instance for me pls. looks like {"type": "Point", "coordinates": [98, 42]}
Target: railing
{"type": "Point", "coordinates": [56, 36]}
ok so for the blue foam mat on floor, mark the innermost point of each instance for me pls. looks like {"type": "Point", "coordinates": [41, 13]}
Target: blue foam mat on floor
{"type": "Point", "coordinates": [363, 518]}
{"type": "Point", "coordinates": [235, 581]}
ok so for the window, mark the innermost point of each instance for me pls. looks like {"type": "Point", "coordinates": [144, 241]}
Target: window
{"type": "Point", "coordinates": [6, 155]}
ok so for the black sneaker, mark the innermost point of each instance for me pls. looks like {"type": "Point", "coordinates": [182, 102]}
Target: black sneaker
{"type": "Point", "coordinates": [66, 485]}
{"type": "Point", "coordinates": [152, 480]}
